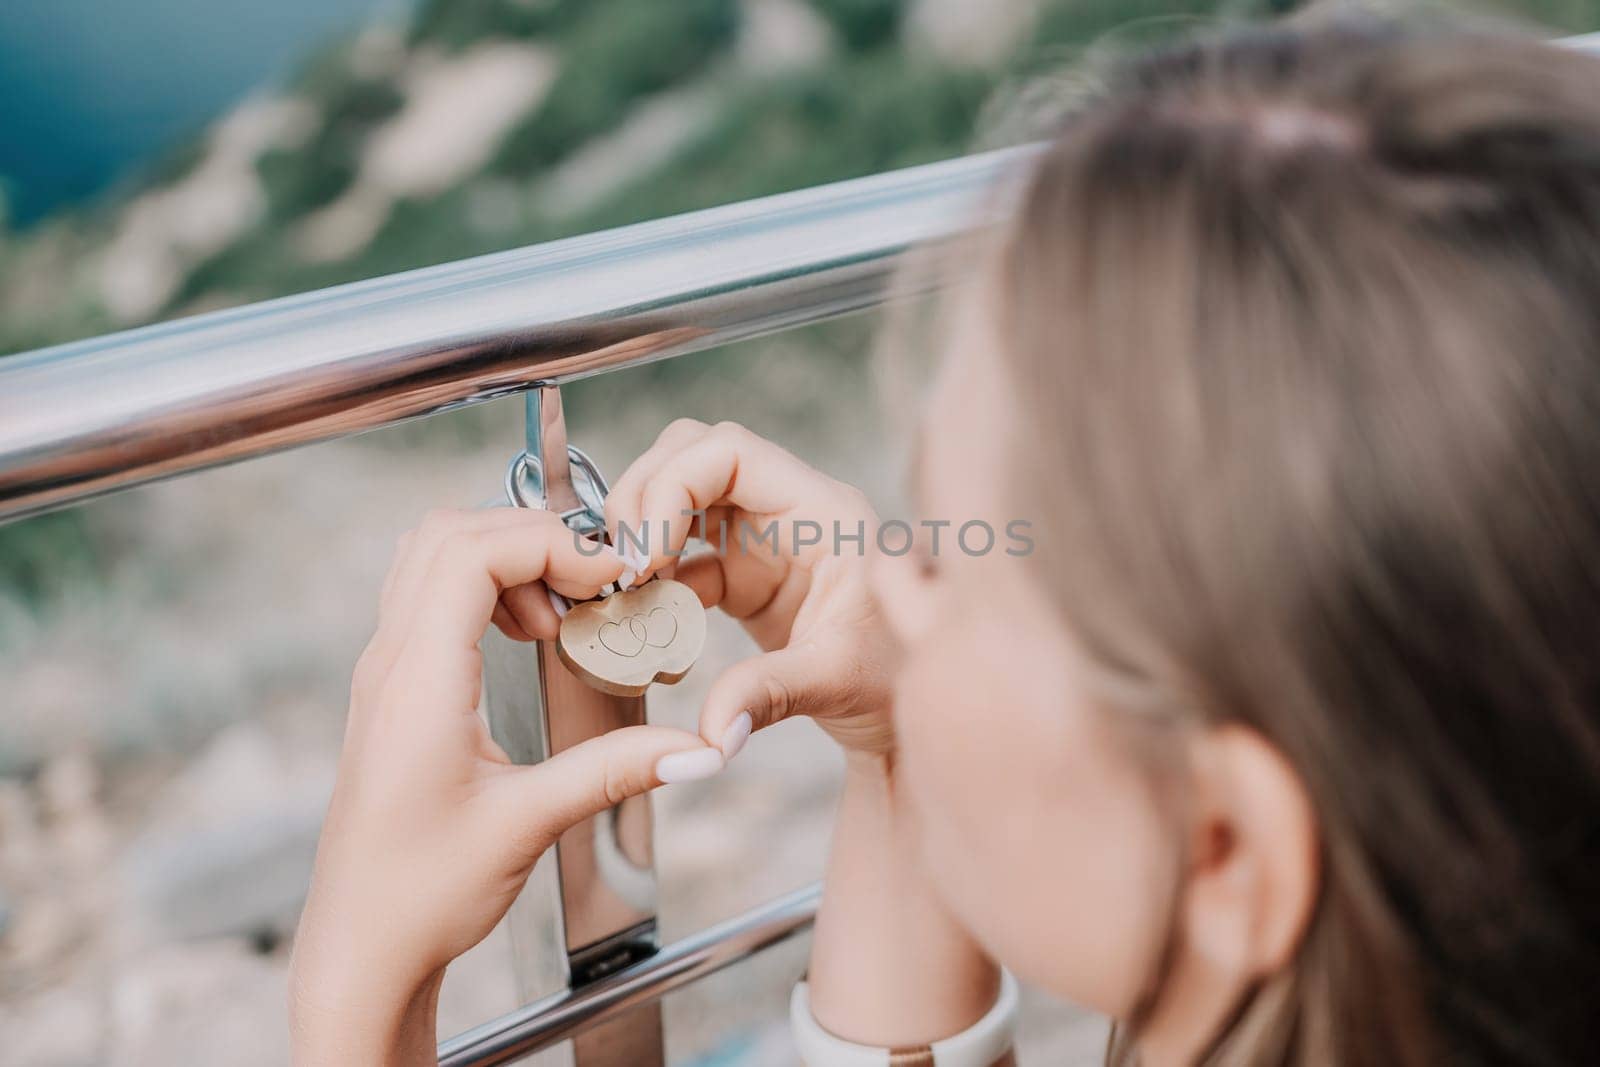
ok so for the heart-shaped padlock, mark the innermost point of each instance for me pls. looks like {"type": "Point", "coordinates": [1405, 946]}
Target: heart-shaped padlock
{"type": "Point", "coordinates": [621, 644]}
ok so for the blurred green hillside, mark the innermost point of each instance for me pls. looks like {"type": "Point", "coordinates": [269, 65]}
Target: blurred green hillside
{"type": "Point", "coordinates": [481, 125]}
{"type": "Point", "coordinates": [564, 116]}
{"type": "Point", "coordinates": [536, 119]}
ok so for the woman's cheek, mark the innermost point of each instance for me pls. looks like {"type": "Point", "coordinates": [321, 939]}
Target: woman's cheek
{"type": "Point", "coordinates": [951, 781]}
{"type": "Point", "coordinates": [1037, 833]}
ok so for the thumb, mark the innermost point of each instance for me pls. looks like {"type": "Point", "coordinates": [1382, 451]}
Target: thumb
{"type": "Point", "coordinates": [551, 797]}
{"type": "Point", "coordinates": [768, 688]}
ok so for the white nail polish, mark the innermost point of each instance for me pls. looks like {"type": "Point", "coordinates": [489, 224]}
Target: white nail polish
{"type": "Point", "coordinates": [558, 602]}
{"type": "Point", "coordinates": [628, 575]}
{"type": "Point", "coordinates": [734, 737]}
{"type": "Point", "coordinates": [689, 766]}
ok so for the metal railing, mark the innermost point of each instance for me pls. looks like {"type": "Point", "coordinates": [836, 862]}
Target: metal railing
{"type": "Point", "coordinates": [553, 1019]}
{"type": "Point", "coordinates": [91, 417]}
{"type": "Point", "coordinates": [82, 419]}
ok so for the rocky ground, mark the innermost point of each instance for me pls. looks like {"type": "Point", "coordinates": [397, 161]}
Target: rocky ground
{"type": "Point", "coordinates": [171, 736]}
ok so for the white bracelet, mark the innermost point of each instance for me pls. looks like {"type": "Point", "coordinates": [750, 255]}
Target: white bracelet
{"type": "Point", "coordinates": [982, 1044]}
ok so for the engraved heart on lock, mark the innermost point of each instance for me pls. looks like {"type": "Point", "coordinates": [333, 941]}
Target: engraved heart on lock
{"type": "Point", "coordinates": [657, 628]}
{"type": "Point", "coordinates": [621, 644]}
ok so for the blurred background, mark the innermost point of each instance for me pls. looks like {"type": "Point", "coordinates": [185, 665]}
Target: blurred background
{"type": "Point", "coordinates": [174, 660]}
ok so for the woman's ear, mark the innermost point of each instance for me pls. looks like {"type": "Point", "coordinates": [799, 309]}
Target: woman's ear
{"type": "Point", "coordinates": [1254, 867]}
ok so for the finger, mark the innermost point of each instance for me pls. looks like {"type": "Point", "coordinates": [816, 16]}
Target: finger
{"type": "Point", "coordinates": [531, 607]}
{"type": "Point", "coordinates": [622, 502]}
{"type": "Point", "coordinates": [718, 527]}
{"type": "Point", "coordinates": [422, 544]}
{"type": "Point", "coordinates": [705, 576]}
{"type": "Point", "coordinates": [769, 688]}
{"type": "Point", "coordinates": [508, 624]}
{"type": "Point", "coordinates": [715, 527]}
{"type": "Point", "coordinates": [402, 549]}
{"type": "Point", "coordinates": [543, 801]}
{"type": "Point", "coordinates": [764, 598]}
{"type": "Point", "coordinates": [473, 566]}
{"type": "Point", "coordinates": [727, 465]}
{"type": "Point", "coordinates": [743, 574]}
{"type": "Point", "coordinates": [415, 555]}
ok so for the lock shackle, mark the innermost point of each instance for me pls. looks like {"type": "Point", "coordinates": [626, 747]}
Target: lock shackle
{"type": "Point", "coordinates": [524, 485]}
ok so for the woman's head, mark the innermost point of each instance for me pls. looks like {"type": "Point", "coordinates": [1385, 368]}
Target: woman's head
{"type": "Point", "coordinates": [1284, 742]}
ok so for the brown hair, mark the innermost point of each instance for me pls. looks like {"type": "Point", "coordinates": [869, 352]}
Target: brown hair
{"type": "Point", "coordinates": [1303, 325]}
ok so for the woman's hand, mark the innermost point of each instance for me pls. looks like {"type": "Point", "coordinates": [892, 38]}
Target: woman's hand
{"type": "Point", "coordinates": [806, 604]}
{"type": "Point", "coordinates": [889, 964]}
{"type": "Point", "coordinates": [432, 831]}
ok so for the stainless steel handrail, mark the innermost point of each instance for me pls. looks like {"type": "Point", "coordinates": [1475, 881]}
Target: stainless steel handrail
{"type": "Point", "coordinates": [93, 416]}
{"type": "Point", "coordinates": [558, 1017]}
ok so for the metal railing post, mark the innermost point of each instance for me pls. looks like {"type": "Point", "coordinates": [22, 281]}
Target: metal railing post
{"type": "Point", "coordinates": [605, 865]}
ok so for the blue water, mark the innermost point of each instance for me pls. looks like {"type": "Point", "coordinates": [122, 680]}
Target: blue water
{"type": "Point", "coordinates": [90, 90]}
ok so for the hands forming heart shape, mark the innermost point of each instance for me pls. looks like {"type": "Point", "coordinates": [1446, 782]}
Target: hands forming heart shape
{"type": "Point", "coordinates": [621, 644]}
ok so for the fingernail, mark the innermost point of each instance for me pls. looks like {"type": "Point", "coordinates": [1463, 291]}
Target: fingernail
{"type": "Point", "coordinates": [734, 737]}
{"type": "Point", "coordinates": [558, 602]}
{"type": "Point", "coordinates": [634, 557]}
{"type": "Point", "coordinates": [628, 575]}
{"type": "Point", "coordinates": [689, 766]}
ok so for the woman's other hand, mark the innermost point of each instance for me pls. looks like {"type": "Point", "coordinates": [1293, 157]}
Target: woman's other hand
{"type": "Point", "coordinates": [432, 830]}
{"type": "Point", "coordinates": [775, 565]}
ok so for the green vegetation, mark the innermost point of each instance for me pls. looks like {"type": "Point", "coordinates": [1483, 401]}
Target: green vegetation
{"type": "Point", "coordinates": [300, 180]}
{"type": "Point", "coordinates": [1064, 29]}
{"type": "Point", "coordinates": [857, 116]}
{"type": "Point", "coordinates": [619, 53]}
{"type": "Point", "coordinates": [452, 25]}
{"type": "Point", "coordinates": [863, 24]}
{"type": "Point", "coordinates": [44, 557]}
{"type": "Point", "coordinates": [1565, 16]}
